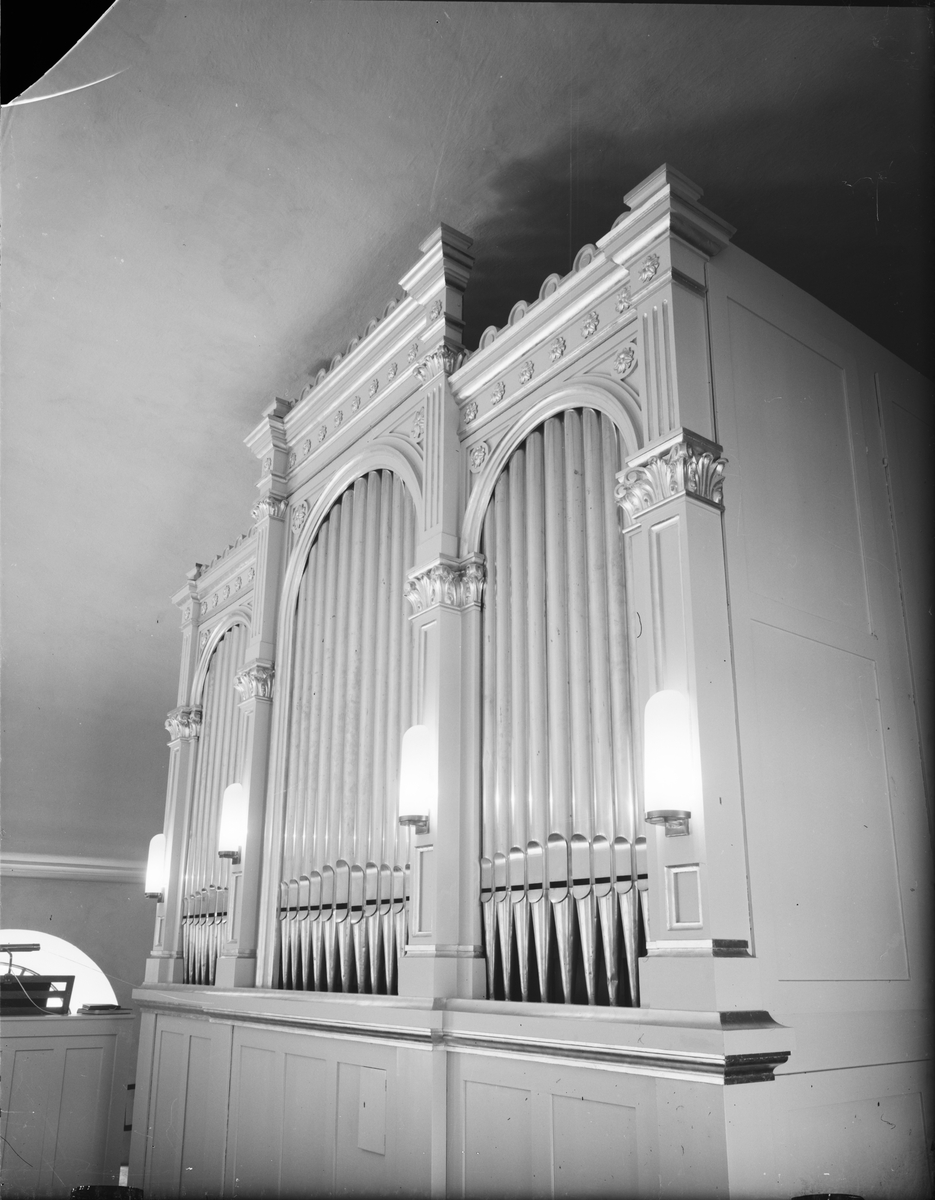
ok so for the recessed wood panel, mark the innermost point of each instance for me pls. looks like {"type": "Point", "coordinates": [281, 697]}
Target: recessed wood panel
{"type": "Point", "coordinates": [28, 1080]}
{"type": "Point", "coordinates": [836, 906]}
{"type": "Point", "coordinates": [82, 1118]}
{"type": "Point", "coordinates": [871, 1147]}
{"type": "Point", "coordinates": [593, 1148]}
{"type": "Point", "coordinates": [256, 1117]}
{"type": "Point", "coordinates": [497, 1140]}
{"type": "Point", "coordinates": [307, 1166]}
{"type": "Point", "coordinates": [168, 1112]}
{"type": "Point", "coordinates": [801, 524]}
{"type": "Point", "coordinates": [194, 1180]}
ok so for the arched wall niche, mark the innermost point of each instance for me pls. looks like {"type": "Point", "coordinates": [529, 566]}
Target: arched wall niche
{"type": "Point", "coordinates": [616, 401]}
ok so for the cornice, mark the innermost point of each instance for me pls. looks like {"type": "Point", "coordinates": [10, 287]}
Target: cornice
{"type": "Point", "coordinates": [684, 464]}
{"type": "Point", "coordinates": [449, 583]}
{"type": "Point", "coordinates": [445, 1028]}
{"type": "Point", "coordinates": [183, 724]}
{"type": "Point", "coordinates": [255, 682]}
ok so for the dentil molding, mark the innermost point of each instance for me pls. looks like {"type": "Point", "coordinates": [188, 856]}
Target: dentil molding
{"type": "Point", "coordinates": [183, 724]}
{"type": "Point", "coordinates": [447, 582]}
{"type": "Point", "coordinates": [255, 682]}
{"type": "Point", "coordinates": [685, 464]}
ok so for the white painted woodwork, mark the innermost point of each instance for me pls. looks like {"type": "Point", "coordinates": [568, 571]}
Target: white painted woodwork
{"type": "Point", "coordinates": [747, 441]}
{"type": "Point", "coordinates": [64, 1101]}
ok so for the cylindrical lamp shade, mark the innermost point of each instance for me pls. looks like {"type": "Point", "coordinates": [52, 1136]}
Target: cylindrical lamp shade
{"type": "Point", "coordinates": [233, 830]}
{"type": "Point", "coordinates": [417, 769]}
{"type": "Point", "coordinates": [669, 774]}
{"type": "Point", "coordinates": [155, 884]}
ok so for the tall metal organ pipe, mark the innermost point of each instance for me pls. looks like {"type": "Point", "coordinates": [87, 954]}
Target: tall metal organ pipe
{"type": "Point", "coordinates": [557, 805]}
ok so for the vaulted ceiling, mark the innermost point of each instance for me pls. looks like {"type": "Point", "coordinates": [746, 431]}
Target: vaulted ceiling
{"type": "Point", "coordinates": [206, 199]}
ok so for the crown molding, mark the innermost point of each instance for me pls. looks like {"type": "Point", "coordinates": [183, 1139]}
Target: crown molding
{"type": "Point", "coordinates": [30, 865]}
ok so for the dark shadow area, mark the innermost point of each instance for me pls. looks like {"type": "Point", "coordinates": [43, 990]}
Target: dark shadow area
{"type": "Point", "coordinates": [35, 37]}
{"type": "Point", "coordinates": [862, 246]}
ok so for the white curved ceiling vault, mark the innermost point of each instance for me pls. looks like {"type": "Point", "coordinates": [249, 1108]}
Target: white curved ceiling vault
{"type": "Point", "coordinates": [214, 220]}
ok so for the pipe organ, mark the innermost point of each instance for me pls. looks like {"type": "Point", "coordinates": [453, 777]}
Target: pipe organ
{"type": "Point", "coordinates": [524, 968]}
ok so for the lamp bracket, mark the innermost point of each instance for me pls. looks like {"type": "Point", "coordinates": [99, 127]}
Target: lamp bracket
{"type": "Point", "coordinates": [158, 896]}
{"type": "Point", "coordinates": [418, 823]}
{"type": "Point", "coordinates": [233, 855]}
{"type": "Point", "coordinates": [676, 820]}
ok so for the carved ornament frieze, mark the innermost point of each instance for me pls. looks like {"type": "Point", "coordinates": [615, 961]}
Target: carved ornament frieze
{"type": "Point", "coordinates": [256, 682]}
{"type": "Point", "coordinates": [687, 464]}
{"type": "Point", "coordinates": [447, 582]}
{"type": "Point", "coordinates": [183, 724]}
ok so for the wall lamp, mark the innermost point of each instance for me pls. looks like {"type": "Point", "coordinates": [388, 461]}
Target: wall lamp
{"type": "Point", "coordinates": [155, 885]}
{"type": "Point", "coordinates": [416, 778]}
{"type": "Point", "coordinates": [233, 831]}
{"type": "Point", "coordinates": [669, 774]}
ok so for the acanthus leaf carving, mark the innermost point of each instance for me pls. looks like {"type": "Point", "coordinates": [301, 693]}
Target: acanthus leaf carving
{"type": "Point", "coordinates": [687, 465]}
{"type": "Point", "coordinates": [447, 582]}
{"type": "Point", "coordinates": [255, 682]}
{"type": "Point", "coordinates": [183, 724]}
{"type": "Point", "coordinates": [270, 506]}
{"type": "Point", "coordinates": [417, 429]}
{"type": "Point", "coordinates": [442, 359]}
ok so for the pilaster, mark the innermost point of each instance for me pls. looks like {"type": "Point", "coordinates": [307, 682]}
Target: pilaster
{"type": "Point", "coordinates": [444, 956]}
{"type": "Point", "coordinates": [699, 937]}
{"type": "Point", "coordinates": [665, 241]}
{"type": "Point", "coordinates": [164, 964]}
{"type": "Point", "coordinates": [237, 960]}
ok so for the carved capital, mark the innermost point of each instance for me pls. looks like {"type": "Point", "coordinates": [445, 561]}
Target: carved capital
{"type": "Point", "coordinates": [269, 506]}
{"type": "Point", "coordinates": [449, 583]}
{"type": "Point", "coordinates": [183, 724]}
{"type": "Point", "coordinates": [444, 359]}
{"type": "Point", "coordinates": [255, 682]}
{"type": "Point", "coordinates": [686, 464]}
